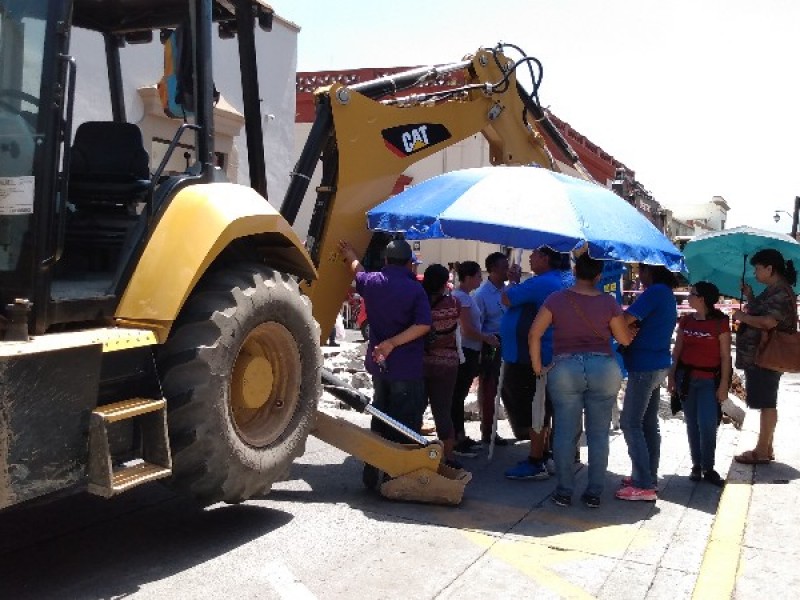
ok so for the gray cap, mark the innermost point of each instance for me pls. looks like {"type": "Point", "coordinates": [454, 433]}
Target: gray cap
{"type": "Point", "coordinates": [398, 250]}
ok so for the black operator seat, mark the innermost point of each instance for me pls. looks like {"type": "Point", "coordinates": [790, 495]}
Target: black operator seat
{"type": "Point", "coordinates": [109, 165]}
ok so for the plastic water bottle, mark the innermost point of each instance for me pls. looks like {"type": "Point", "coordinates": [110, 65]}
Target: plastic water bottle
{"type": "Point", "coordinates": [380, 360]}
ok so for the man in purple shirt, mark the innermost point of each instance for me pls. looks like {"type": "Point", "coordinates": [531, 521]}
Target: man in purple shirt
{"type": "Point", "coordinates": [399, 318]}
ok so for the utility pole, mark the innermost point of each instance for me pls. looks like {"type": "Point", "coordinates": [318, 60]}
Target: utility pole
{"type": "Point", "coordinates": [796, 216]}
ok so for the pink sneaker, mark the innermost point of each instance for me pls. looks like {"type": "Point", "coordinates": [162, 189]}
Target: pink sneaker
{"type": "Point", "coordinates": [627, 481]}
{"type": "Point", "coordinates": [632, 493]}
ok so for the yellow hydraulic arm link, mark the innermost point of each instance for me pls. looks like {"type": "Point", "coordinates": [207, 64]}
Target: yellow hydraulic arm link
{"type": "Point", "coordinates": [366, 135]}
{"type": "Point", "coordinates": [366, 143]}
{"type": "Point", "coordinates": [412, 471]}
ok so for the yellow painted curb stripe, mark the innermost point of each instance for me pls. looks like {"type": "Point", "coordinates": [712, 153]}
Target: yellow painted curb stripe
{"type": "Point", "coordinates": [718, 571]}
{"type": "Point", "coordinates": [535, 561]}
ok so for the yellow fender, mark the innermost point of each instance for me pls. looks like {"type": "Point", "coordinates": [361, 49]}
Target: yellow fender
{"type": "Point", "coordinates": [199, 223]}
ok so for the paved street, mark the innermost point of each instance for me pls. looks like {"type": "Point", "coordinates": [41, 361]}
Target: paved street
{"type": "Point", "coordinates": [321, 535]}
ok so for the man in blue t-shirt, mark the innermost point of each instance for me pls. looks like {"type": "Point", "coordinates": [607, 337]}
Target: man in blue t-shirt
{"type": "Point", "coordinates": [519, 381]}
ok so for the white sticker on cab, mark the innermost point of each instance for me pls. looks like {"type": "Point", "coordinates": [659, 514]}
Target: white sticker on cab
{"type": "Point", "coordinates": [16, 195]}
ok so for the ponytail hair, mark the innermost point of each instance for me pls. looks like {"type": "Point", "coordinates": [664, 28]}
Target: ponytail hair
{"type": "Point", "coordinates": [769, 257]}
{"type": "Point", "coordinates": [710, 295]}
{"type": "Point", "coordinates": [791, 273]}
{"type": "Point", "coordinates": [434, 279]}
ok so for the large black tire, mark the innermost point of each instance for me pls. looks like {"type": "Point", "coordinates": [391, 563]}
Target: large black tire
{"type": "Point", "coordinates": [241, 375]}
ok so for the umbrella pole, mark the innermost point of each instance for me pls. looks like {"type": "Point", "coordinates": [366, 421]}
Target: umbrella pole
{"type": "Point", "coordinates": [741, 287]}
{"type": "Point", "coordinates": [496, 410]}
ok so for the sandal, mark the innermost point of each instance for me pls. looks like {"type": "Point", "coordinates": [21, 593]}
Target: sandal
{"type": "Point", "coordinates": [750, 458]}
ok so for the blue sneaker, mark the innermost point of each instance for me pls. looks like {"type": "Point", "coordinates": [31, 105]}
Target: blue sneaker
{"type": "Point", "coordinates": [525, 469]}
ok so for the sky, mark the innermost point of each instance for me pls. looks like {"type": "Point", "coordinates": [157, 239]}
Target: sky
{"type": "Point", "coordinates": [699, 97]}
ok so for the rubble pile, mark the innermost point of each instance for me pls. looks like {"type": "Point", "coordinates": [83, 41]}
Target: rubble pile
{"type": "Point", "coordinates": [347, 362]}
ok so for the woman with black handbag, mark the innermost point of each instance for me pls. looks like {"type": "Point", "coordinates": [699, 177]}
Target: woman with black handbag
{"type": "Point", "coordinates": [701, 375]}
{"type": "Point", "coordinates": [775, 307]}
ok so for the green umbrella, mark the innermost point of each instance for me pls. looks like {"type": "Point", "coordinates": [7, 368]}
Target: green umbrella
{"type": "Point", "coordinates": [722, 257]}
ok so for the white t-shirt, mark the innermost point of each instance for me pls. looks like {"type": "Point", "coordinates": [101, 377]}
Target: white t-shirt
{"type": "Point", "coordinates": [469, 303]}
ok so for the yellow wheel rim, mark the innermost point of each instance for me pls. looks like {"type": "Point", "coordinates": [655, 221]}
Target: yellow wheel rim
{"type": "Point", "coordinates": [265, 384]}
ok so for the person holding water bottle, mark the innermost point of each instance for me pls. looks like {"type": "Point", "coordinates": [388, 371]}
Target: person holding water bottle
{"type": "Point", "coordinates": [399, 318]}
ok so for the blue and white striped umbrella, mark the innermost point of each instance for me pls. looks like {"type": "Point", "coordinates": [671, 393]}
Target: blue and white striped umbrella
{"type": "Point", "coordinates": [525, 207]}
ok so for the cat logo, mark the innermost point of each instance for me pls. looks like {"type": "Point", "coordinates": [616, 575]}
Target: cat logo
{"type": "Point", "coordinates": [412, 138]}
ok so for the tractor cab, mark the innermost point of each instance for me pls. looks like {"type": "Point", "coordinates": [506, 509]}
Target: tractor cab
{"type": "Point", "coordinates": [79, 200]}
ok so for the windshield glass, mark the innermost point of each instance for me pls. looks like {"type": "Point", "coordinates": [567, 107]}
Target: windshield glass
{"type": "Point", "coordinates": [22, 29]}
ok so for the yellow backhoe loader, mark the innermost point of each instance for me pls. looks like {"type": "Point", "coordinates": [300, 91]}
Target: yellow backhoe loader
{"type": "Point", "coordinates": [158, 324]}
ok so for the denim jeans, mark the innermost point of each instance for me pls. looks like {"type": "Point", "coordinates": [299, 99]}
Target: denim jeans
{"type": "Point", "coordinates": [467, 372]}
{"type": "Point", "coordinates": [404, 401]}
{"type": "Point", "coordinates": [700, 409]}
{"type": "Point", "coordinates": [582, 385]}
{"type": "Point", "coordinates": [639, 424]}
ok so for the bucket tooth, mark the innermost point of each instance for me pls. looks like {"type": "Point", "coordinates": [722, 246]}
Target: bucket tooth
{"type": "Point", "coordinates": [155, 461]}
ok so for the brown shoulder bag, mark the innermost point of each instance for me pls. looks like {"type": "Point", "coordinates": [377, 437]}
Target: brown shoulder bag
{"type": "Point", "coordinates": [780, 350]}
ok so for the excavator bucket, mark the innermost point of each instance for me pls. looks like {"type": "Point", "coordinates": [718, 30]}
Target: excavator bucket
{"type": "Point", "coordinates": [445, 486]}
{"type": "Point", "coordinates": [411, 472]}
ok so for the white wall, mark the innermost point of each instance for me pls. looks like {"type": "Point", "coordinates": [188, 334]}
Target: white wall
{"type": "Point", "coordinates": [142, 65]}
{"type": "Point", "coordinates": [712, 213]}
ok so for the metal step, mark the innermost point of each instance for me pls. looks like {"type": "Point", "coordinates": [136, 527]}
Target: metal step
{"type": "Point", "coordinates": [129, 477]}
{"type": "Point", "coordinates": [127, 409]}
{"type": "Point", "coordinates": [155, 461]}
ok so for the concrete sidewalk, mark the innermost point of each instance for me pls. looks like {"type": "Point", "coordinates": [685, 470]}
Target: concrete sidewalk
{"type": "Point", "coordinates": [754, 545]}
{"type": "Point", "coordinates": [696, 540]}
{"type": "Point", "coordinates": [320, 534]}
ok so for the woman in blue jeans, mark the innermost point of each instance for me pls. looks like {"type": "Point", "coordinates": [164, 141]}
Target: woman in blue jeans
{"type": "Point", "coordinates": [647, 360]}
{"type": "Point", "coordinates": [584, 378]}
{"type": "Point", "coordinates": [701, 375]}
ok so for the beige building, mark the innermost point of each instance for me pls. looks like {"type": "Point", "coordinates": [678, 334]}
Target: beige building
{"type": "Point", "coordinates": [701, 217]}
